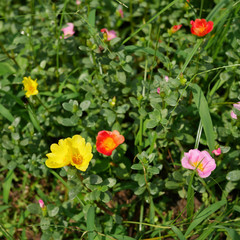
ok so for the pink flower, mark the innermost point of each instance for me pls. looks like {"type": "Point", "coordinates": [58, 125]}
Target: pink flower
{"type": "Point", "coordinates": [217, 152]}
{"type": "Point", "coordinates": [109, 35]}
{"type": "Point", "coordinates": [78, 2]}
{"type": "Point", "coordinates": [41, 203]}
{"type": "Point", "coordinates": [202, 161]}
{"type": "Point", "coordinates": [237, 106]}
{"type": "Point", "coordinates": [233, 115]}
{"type": "Point", "coordinates": [120, 12]}
{"type": "Point", "coordinates": [158, 90]}
{"type": "Point", "coordinates": [68, 31]}
{"type": "Point", "coordinates": [166, 78]}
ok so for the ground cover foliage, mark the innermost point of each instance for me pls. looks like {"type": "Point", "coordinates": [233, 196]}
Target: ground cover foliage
{"type": "Point", "coordinates": [165, 91]}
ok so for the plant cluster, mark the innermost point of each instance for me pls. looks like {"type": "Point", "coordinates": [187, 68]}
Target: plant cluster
{"type": "Point", "coordinates": [120, 119]}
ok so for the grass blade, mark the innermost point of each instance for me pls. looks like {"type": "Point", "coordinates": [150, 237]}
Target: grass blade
{"type": "Point", "coordinates": [7, 185]}
{"type": "Point", "coordinates": [178, 233]}
{"type": "Point", "coordinates": [203, 110]}
{"type": "Point", "coordinates": [149, 21]}
{"type": "Point", "coordinates": [190, 197]}
{"type": "Point", "coordinates": [90, 222]}
{"type": "Point", "coordinates": [205, 214]}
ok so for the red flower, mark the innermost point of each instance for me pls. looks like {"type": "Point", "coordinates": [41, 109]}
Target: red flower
{"type": "Point", "coordinates": [107, 141]}
{"type": "Point", "coordinates": [201, 27]}
{"type": "Point", "coordinates": [175, 28]}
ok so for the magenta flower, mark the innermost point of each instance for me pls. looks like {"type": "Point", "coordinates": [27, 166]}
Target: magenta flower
{"type": "Point", "coordinates": [78, 2]}
{"type": "Point", "coordinates": [217, 152]}
{"type": "Point", "coordinates": [200, 160]}
{"type": "Point", "coordinates": [120, 12]}
{"type": "Point", "coordinates": [41, 203]}
{"type": "Point", "coordinates": [158, 90]}
{"type": "Point", "coordinates": [68, 31]}
{"type": "Point", "coordinates": [109, 35]}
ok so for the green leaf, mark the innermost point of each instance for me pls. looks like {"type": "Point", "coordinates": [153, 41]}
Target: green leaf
{"type": "Point", "coordinates": [6, 113]}
{"type": "Point", "coordinates": [171, 185]}
{"type": "Point", "coordinates": [203, 110]}
{"type": "Point", "coordinates": [91, 17]}
{"type": "Point", "coordinates": [178, 233]}
{"type": "Point", "coordinates": [105, 196]}
{"type": "Point", "coordinates": [153, 170]}
{"type": "Point", "coordinates": [34, 208]}
{"type": "Point", "coordinates": [233, 235]}
{"type": "Point", "coordinates": [190, 56]}
{"type": "Point", "coordinates": [233, 175]}
{"type": "Point", "coordinates": [52, 210]}
{"type": "Point", "coordinates": [34, 119]}
{"type": "Point", "coordinates": [137, 166]}
{"type": "Point", "coordinates": [120, 237]}
{"type": "Point", "coordinates": [85, 105]}
{"type": "Point", "coordinates": [204, 215]}
{"type": "Point", "coordinates": [3, 207]}
{"type": "Point", "coordinates": [122, 77]}
{"type": "Point", "coordinates": [148, 50]}
{"type": "Point", "coordinates": [6, 68]}
{"type": "Point", "coordinates": [7, 183]}
{"type": "Point", "coordinates": [93, 180]}
{"type": "Point", "coordinates": [45, 223]}
{"type": "Point", "coordinates": [151, 123]}
{"type": "Point", "coordinates": [91, 222]}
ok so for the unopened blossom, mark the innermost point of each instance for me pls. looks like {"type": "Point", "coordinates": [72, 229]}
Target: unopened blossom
{"type": "Point", "coordinates": [217, 152]}
{"type": "Point", "coordinates": [166, 78]}
{"type": "Point", "coordinates": [78, 2]}
{"type": "Point", "coordinates": [68, 151]}
{"type": "Point", "coordinates": [41, 203]}
{"type": "Point", "coordinates": [68, 31]}
{"type": "Point", "coordinates": [107, 141]}
{"type": "Point", "coordinates": [199, 160]}
{"type": "Point", "coordinates": [109, 35]}
{"type": "Point", "coordinates": [175, 28]}
{"type": "Point", "coordinates": [30, 86]}
{"type": "Point", "coordinates": [201, 27]}
{"type": "Point", "coordinates": [121, 12]}
{"type": "Point", "coordinates": [158, 90]}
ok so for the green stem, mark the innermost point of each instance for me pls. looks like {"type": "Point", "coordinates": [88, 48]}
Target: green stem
{"type": "Point", "coordinates": [66, 185]}
{"type": "Point", "coordinates": [38, 98]}
{"type": "Point", "coordinates": [8, 55]}
{"type": "Point", "coordinates": [211, 194]}
{"type": "Point", "coordinates": [147, 224]}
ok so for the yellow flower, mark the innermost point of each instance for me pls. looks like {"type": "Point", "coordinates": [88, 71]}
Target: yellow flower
{"type": "Point", "coordinates": [72, 151]}
{"type": "Point", "coordinates": [30, 86]}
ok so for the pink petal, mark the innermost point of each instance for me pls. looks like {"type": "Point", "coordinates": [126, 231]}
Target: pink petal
{"type": "Point", "coordinates": [233, 115]}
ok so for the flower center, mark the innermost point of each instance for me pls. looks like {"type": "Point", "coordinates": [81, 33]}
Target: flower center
{"type": "Point", "coordinates": [198, 165]}
{"type": "Point", "coordinates": [31, 89]}
{"type": "Point", "coordinates": [109, 144]}
{"type": "Point", "coordinates": [77, 159]}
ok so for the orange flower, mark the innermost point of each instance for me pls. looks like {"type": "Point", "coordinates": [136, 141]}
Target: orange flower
{"type": "Point", "coordinates": [107, 141]}
{"type": "Point", "coordinates": [201, 27]}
